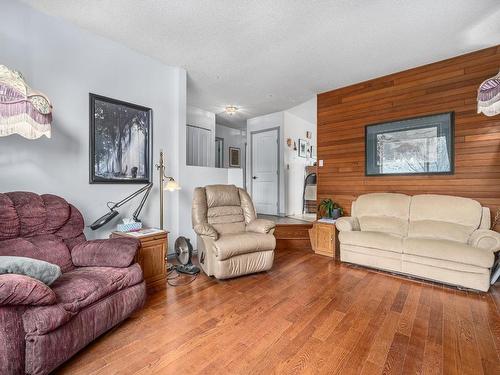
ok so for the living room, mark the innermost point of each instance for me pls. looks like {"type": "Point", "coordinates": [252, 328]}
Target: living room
{"type": "Point", "coordinates": [249, 187]}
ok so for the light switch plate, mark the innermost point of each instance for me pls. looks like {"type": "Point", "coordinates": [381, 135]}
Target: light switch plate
{"type": "Point", "coordinates": [321, 163]}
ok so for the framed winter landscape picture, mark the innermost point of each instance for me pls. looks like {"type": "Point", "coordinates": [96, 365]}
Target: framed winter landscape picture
{"type": "Point", "coordinates": [120, 141]}
{"type": "Point", "coordinates": [422, 145]}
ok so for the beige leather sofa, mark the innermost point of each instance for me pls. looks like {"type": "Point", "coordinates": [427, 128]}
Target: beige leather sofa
{"type": "Point", "coordinates": [231, 240]}
{"type": "Point", "coordinates": [435, 237]}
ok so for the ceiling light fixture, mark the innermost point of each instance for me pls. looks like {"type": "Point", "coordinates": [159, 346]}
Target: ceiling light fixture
{"type": "Point", "coordinates": [231, 109]}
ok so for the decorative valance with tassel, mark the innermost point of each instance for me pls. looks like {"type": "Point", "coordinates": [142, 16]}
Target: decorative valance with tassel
{"type": "Point", "coordinates": [488, 96]}
{"type": "Point", "coordinates": [23, 110]}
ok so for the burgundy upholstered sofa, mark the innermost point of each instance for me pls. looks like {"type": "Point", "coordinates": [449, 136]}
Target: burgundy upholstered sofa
{"type": "Point", "coordinates": [100, 286]}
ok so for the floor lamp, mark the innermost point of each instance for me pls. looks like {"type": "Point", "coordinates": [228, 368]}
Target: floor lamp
{"type": "Point", "coordinates": [166, 183]}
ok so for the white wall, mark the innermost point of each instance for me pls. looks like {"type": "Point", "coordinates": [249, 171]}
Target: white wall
{"type": "Point", "coordinates": [206, 120]}
{"type": "Point", "coordinates": [235, 177]}
{"type": "Point", "coordinates": [66, 63]}
{"type": "Point", "coordinates": [298, 120]}
{"type": "Point", "coordinates": [307, 111]}
{"type": "Point", "coordinates": [232, 138]}
{"type": "Point", "coordinates": [269, 121]}
{"type": "Point", "coordinates": [295, 166]}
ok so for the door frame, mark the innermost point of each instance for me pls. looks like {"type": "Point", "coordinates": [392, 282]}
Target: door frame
{"type": "Point", "coordinates": [278, 143]}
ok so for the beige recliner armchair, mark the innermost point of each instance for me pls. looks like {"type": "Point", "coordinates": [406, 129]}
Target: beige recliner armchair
{"type": "Point", "coordinates": [231, 240]}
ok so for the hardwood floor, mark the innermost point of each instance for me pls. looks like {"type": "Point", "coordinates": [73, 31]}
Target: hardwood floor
{"type": "Point", "coordinates": [308, 315]}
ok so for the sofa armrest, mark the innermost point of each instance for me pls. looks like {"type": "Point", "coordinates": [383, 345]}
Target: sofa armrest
{"type": "Point", "coordinates": [485, 239]}
{"type": "Point", "coordinates": [347, 224]}
{"type": "Point", "coordinates": [114, 252]}
{"type": "Point", "coordinates": [260, 226]}
{"type": "Point", "coordinates": [24, 290]}
{"type": "Point", "coordinates": [205, 229]}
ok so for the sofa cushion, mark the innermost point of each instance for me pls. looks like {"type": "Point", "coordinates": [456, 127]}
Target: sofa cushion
{"type": "Point", "coordinates": [227, 219]}
{"type": "Point", "coordinates": [85, 285]}
{"type": "Point", "coordinates": [383, 212]}
{"type": "Point", "coordinates": [225, 214]}
{"type": "Point", "coordinates": [224, 211]}
{"type": "Point", "coordinates": [25, 214]}
{"type": "Point", "coordinates": [76, 290]}
{"type": "Point", "coordinates": [9, 222]}
{"type": "Point", "coordinates": [112, 252]}
{"type": "Point", "coordinates": [383, 224]}
{"type": "Point", "coordinates": [48, 248]}
{"type": "Point", "coordinates": [370, 251]}
{"type": "Point", "coordinates": [24, 290]}
{"type": "Point", "coordinates": [222, 195]}
{"type": "Point", "coordinates": [448, 250]}
{"type": "Point", "coordinates": [30, 210]}
{"type": "Point", "coordinates": [44, 352]}
{"type": "Point", "coordinates": [440, 230]}
{"type": "Point", "coordinates": [374, 240]}
{"type": "Point", "coordinates": [443, 264]}
{"type": "Point", "coordinates": [443, 217]}
{"type": "Point", "coordinates": [229, 245]}
{"type": "Point", "coordinates": [230, 228]}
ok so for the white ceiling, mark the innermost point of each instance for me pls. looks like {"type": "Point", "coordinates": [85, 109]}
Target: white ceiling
{"type": "Point", "coordinates": [268, 55]}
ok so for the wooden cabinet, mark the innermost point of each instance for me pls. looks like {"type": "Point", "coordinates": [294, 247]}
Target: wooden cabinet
{"type": "Point", "coordinates": [324, 239]}
{"type": "Point", "coordinates": [151, 257]}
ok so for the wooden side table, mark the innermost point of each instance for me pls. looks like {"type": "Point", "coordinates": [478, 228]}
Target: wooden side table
{"type": "Point", "coordinates": [151, 257]}
{"type": "Point", "coordinates": [324, 239]}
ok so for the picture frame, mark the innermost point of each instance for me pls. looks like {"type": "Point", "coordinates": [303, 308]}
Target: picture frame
{"type": "Point", "coordinates": [120, 142]}
{"type": "Point", "coordinates": [421, 145]}
{"type": "Point", "coordinates": [302, 148]}
{"type": "Point", "coordinates": [234, 157]}
{"type": "Point", "coordinates": [314, 152]}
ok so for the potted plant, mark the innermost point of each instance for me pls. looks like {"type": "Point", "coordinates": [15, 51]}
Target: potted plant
{"type": "Point", "coordinates": [330, 209]}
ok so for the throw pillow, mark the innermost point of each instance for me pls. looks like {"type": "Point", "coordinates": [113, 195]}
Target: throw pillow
{"type": "Point", "coordinates": [46, 272]}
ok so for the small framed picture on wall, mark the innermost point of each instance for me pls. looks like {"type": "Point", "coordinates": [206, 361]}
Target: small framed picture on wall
{"type": "Point", "coordinates": [303, 148]}
{"type": "Point", "coordinates": [234, 157]}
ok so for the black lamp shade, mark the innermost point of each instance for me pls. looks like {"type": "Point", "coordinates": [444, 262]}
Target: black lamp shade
{"type": "Point", "coordinates": [103, 220]}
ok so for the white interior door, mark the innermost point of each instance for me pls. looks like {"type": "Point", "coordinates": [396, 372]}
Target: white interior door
{"type": "Point", "coordinates": [265, 171]}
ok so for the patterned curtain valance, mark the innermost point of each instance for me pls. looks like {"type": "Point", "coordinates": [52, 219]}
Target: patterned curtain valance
{"type": "Point", "coordinates": [488, 96]}
{"type": "Point", "coordinates": [23, 110]}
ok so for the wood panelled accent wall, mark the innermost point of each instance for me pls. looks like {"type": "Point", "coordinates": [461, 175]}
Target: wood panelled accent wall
{"type": "Point", "coordinates": [449, 85]}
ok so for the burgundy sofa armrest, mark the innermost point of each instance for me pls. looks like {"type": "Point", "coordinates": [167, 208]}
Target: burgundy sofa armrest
{"type": "Point", "coordinates": [114, 252]}
{"type": "Point", "coordinates": [24, 290]}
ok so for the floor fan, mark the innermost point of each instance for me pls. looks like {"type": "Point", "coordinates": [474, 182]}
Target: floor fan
{"type": "Point", "coordinates": [183, 253]}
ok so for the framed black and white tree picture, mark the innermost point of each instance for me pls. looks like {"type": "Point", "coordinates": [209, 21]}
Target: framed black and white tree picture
{"type": "Point", "coordinates": [120, 141]}
{"type": "Point", "coordinates": [420, 145]}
